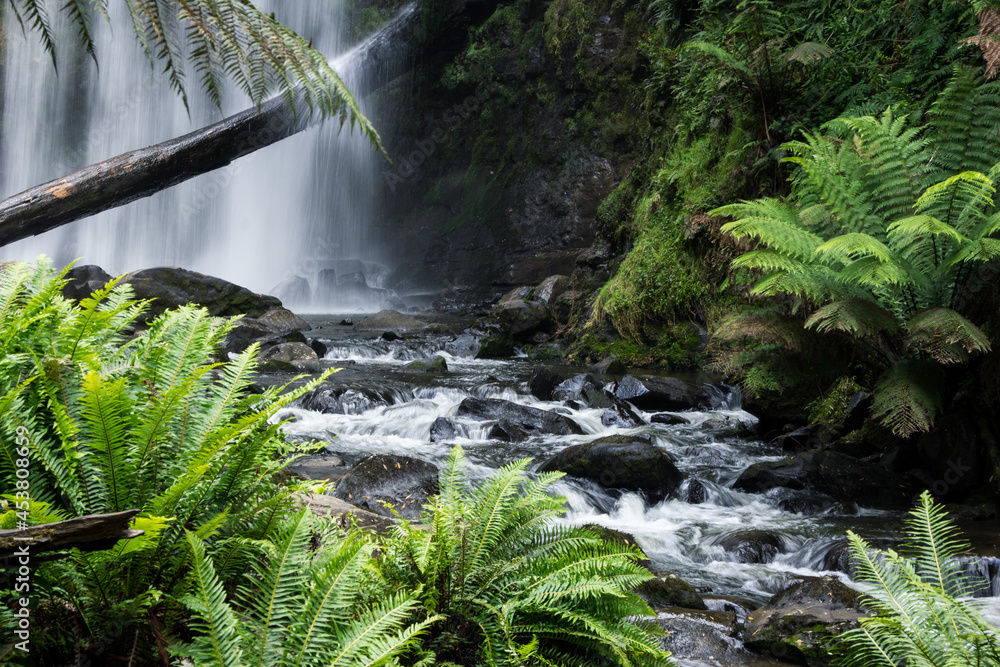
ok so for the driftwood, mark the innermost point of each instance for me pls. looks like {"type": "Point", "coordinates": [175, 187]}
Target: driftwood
{"type": "Point", "coordinates": [87, 533]}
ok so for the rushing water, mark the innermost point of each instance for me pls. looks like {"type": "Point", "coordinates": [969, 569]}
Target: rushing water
{"type": "Point", "coordinates": [676, 535]}
{"type": "Point", "coordinates": [305, 207]}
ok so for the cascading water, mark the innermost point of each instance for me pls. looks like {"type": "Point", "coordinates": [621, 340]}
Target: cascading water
{"type": "Point", "coordinates": [299, 217]}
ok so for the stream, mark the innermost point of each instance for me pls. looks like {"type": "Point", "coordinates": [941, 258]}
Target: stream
{"type": "Point", "coordinates": [677, 535]}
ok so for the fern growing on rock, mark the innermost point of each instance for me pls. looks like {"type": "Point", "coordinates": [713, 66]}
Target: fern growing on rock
{"type": "Point", "coordinates": [921, 618]}
{"type": "Point", "coordinates": [512, 587]}
{"type": "Point", "coordinates": [884, 228]}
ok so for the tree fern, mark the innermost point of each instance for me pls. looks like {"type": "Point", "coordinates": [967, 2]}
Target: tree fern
{"type": "Point", "coordinates": [920, 618]}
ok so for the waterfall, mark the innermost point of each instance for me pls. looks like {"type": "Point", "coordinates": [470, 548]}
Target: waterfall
{"type": "Point", "coordinates": [298, 219]}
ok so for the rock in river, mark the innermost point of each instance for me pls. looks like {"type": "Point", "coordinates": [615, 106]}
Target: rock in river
{"type": "Point", "coordinates": [391, 320]}
{"type": "Point", "coordinates": [629, 462]}
{"type": "Point", "coordinates": [524, 417]}
{"type": "Point", "coordinates": [659, 393]}
{"type": "Point", "coordinates": [404, 483]}
{"type": "Point", "coordinates": [342, 399]}
{"type": "Point", "coordinates": [170, 287]}
{"type": "Point", "coordinates": [290, 357]}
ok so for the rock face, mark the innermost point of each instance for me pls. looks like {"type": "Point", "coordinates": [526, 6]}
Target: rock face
{"type": "Point", "coordinates": [528, 419]}
{"type": "Point", "coordinates": [170, 287]}
{"type": "Point", "coordinates": [797, 624]}
{"type": "Point", "coordinates": [669, 590]}
{"type": "Point", "coordinates": [543, 382]}
{"type": "Point", "coordinates": [837, 475]}
{"type": "Point", "coordinates": [404, 483]}
{"type": "Point", "coordinates": [391, 320]}
{"type": "Point", "coordinates": [272, 328]}
{"type": "Point", "coordinates": [83, 280]}
{"type": "Point", "coordinates": [632, 463]}
{"type": "Point", "coordinates": [340, 399]}
{"type": "Point", "coordinates": [289, 357]}
{"type": "Point", "coordinates": [659, 393]}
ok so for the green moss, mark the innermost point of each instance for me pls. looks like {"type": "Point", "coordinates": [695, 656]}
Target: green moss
{"type": "Point", "coordinates": [831, 408]}
{"type": "Point", "coordinates": [496, 346]}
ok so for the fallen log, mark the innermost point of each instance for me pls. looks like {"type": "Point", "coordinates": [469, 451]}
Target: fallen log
{"type": "Point", "coordinates": [93, 532]}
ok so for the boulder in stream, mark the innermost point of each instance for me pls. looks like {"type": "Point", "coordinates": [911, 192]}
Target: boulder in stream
{"type": "Point", "coordinates": [391, 320]}
{"type": "Point", "coordinates": [531, 420]}
{"type": "Point", "coordinates": [752, 546]}
{"type": "Point", "coordinates": [343, 399]}
{"type": "Point", "coordinates": [170, 287]}
{"type": "Point", "coordinates": [628, 462]}
{"type": "Point", "coordinates": [465, 346]}
{"type": "Point", "coordinates": [652, 394]}
{"type": "Point", "coordinates": [402, 482]}
{"type": "Point", "coordinates": [584, 389]}
{"type": "Point", "coordinates": [669, 590]}
{"type": "Point", "coordinates": [522, 318]}
{"type": "Point", "coordinates": [289, 357]}
{"type": "Point", "coordinates": [837, 475]}
{"type": "Point", "coordinates": [621, 415]}
{"type": "Point", "coordinates": [610, 366]}
{"type": "Point", "coordinates": [798, 624]}
{"type": "Point", "coordinates": [543, 382]}
{"type": "Point", "coordinates": [427, 365]}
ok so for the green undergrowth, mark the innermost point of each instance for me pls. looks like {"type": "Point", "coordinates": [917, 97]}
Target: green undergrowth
{"type": "Point", "coordinates": [677, 347]}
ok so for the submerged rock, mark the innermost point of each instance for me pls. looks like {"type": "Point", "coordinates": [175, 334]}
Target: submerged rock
{"type": "Point", "coordinates": [628, 462]}
{"type": "Point", "coordinates": [402, 482]}
{"type": "Point", "coordinates": [170, 287]}
{"type": "Point", "coordinates": [531, 420]}
{"type": "Point", "coordinates": [798, 624]}
{"type": "Point", "coordinates": [836, 475]}
{"type": "Point", "coordinates": [391, 320]}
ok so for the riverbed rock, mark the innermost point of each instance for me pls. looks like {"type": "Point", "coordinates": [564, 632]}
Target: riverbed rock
{"type": "Point", "coordinates": [543, 382]}
{"type": "Point", "coordinates": [496, 345]}
{"type": "Point", "coordinates": [705, 636]}
{"type": "Point", "coordinates": [345, 399]}
{"type": "Point", "coordinates": [402, 482]}
{"type": "Point", "coordinates": [628, 462]}
{"type": "Point", "coordinates": [621, 415]}
{"type": "Point", "coordinates": [798, 624]}
{"type": "Point", "coordinates": [752, 546]}
{"type": "Point", "coordinates": [697, 492]}
{"type": "Point", "coordinates": [292, 357]}
{"type": "Point", "coordinates": [839, 476]}
{"type": "Point", "coordinates": [529, 419]}
{"type": "Point", "coordinates": [170, 287]}
{"type": "Point", "coordinates": [443, 429]}
{"type": "Point", "coordinates": [83, 280]}
{"type": "Point", "coordinates": [609, 366]}
{"type": "Point", "coordinates": [522, 318]}
{"type": "Point", "coordinates": [391, 320]}
{"type": "Point", "coordinates": [551, 289]}
{"type": "Point", "coordinates": [283, 320]}
{"type": "Point", "coordinates": [669, 590]}
{"type": "Point", "coordinates": [659, 393]}
{"type": "Point", "coordinates": [465, 346]}
{"type": "Point", "coordinates": [427, 365]}
{"type": "Point", "coordinates": [668, 419]}
{"type": "Point", "coordinates": [584, 389]}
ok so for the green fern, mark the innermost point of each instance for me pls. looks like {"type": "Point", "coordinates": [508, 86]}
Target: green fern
{"type": "Point", "coordinates": [514, 588]}
{"type": "Point", "coordinates": [920, 618]}
{"type": "Point", "coordinates": [220, 39]}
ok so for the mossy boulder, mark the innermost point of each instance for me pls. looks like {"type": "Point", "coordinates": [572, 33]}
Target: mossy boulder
{"type": "Point", "coordinates": [170, 287]}
{"type": "Point", "coordinates": [391, 320]}
{"type": "Point", "coordinates": [669, 590]}
{"type": "Point", "coordinates": [627, 462]}
{"type": "Point", "coordinates": [497, 345]}
{"type": "Point", "coordinates": [522, 318]}
{"type": "Point", "coordinates": [799, 624]}
{"type": "Point", "coordinates": [427, 365]}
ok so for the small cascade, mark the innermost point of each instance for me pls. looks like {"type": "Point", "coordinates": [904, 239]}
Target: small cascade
{"type": "Point", "coordinates": [299, 218]}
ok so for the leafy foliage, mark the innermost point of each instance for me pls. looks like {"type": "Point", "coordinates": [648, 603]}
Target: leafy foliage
{"type": "Point", "coordinates": [116, 419]}
{"type": "Point", "coordinates": [221, 39]}
{"type": "Point", "coordinates": [883, 229]}
{"type": "Point", "coordinates": [301, 603]}
{"type": "Point", "coordinates": [513, 588]}
{"type": "Point", "coordinates": [920, 619]}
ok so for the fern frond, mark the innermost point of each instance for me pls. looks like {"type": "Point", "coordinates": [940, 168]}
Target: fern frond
{"type": "Point", "coordinates": [908, 396]}
{"type": "Point", "coordinates": [857, 317]}
{"type": "Point", "coordinates": [945, 335]}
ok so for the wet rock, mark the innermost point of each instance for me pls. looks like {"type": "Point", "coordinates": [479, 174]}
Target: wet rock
{"type": "Point", "coordinates": [669, 590]}
{"type": "Point", "coordinates": [319, 347]}
{"type": "Point", "coordinates": [805, 503]}
{"type": "Point", "coordinates": [170, 287]}
{"type": "Point", "coordinates": [531, 420]}
{"type": "Point", "coordinates": [705, 636]}
{"type": "Point", "coordinates": [752, 546]}
{"type": "Point", "coordinates": [617, 537]}
{"type": "Point", "coordinates": [836, 475]}
{"type": "Point", "coordinates": [324, 466]}
{"type": "Point", "coordinates": [551, 289]}
{"type": "Point", "coordinates": [659, 393]}
{"type": "Point", "coordinates": [732, 426]}
{"type": "Point", "coordinates": [347, 515]}
{"type": "Point", "coordinates": [347, 322]}
{"type": "Point", "coordinates": [298, 356]}
{"type": "Point", "coordinates": [620, 415]}
{"type": "Point", "coordinates": [391, 320]}
{"type": "Point", "coordinates": [497, 345]}
{"type": "Point", "coordinates": [543, 382]}
{"type": "Point", "coordinates": [521, 318]}
{"type": "Point", "coordinates": [632, 463]}
{"type": "Point", "coordinates": [465, 346]}
{"type": "Point", "coordinates": [506, 432]}
{"type": "Point", "coordinates": [444, 429]}
{"type": "Point", "coordinates": [427, 365]}
{"type": "Point", "coordinates": [610, 366]}
{"type": "Point", "coordinates": [802, 439]}
{"type": "Point", "coordinates": [520, 293]}
{"type": "Point", "coordinates": [568, 304]}
{"type": "Point", "coordinates": [668, 419]}
{"type": "Point", "coordinates": [583, 388]}
{"type": "Point", "coordinates": [83, 280]}
{"type": "Point", "coordinates": [338, 399]}
{"type": "Point", "coordinates": [798, 624]}
{"type": "Point", "coordinates": [283, 320]}
{"type": "Point", "coordinates": [402, 482]}
{"type": "Point", "coordinates": [389, 336]}
{"type": "Point", "coordinates": [697, 493]}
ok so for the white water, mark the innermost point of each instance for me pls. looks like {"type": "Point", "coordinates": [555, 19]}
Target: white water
{"type": "Point", "coordinates": [295, 208]}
